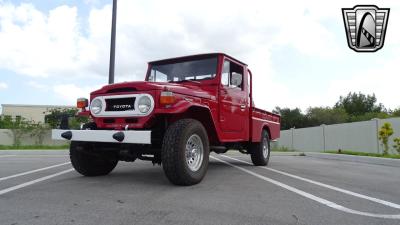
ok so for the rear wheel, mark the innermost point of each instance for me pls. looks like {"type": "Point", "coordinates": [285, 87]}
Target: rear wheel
{"type": "Point", "coordinates": [88, 159]}
{"type": "Point", "coordinates": [260, 152]}
{"type": "Point", "coordinates": [185, 152]}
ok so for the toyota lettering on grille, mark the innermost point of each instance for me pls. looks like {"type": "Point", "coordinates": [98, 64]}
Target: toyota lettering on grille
{"type": "Point", "coordinates": [122, 106]}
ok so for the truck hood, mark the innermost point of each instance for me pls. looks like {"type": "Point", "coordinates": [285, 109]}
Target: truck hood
{"type": "Point", "coordinates": [186, 88]}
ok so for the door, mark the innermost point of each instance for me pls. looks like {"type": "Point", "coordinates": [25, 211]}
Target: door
{"type": "Point", "coordinates": [234, 108]}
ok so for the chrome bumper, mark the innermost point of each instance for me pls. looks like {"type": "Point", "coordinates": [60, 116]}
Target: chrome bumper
{"type": "Point", "coordinates": [110, 136]}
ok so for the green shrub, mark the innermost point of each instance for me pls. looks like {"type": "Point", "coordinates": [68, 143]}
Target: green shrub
{"type": "Point", "coordinates": [384, 133]}
{"type": "Point", "coordinates": [396, 145]}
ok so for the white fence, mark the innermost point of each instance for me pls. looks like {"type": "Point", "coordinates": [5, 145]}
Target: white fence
{"type": "Point", "coordinates": [357, 136]}
{"type": "Point", "coordinates": [6, 138]}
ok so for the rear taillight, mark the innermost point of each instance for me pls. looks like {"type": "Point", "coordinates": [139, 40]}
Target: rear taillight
{"type": "Point", "coordinates": [167, 98]}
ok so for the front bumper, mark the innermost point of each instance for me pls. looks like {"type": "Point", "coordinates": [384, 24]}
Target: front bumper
{"type": "Point", "coordinates": [109, 136]}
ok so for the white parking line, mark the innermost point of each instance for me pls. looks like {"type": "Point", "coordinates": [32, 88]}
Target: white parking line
{"type": "Point", "coordinates": [4, 156]}
{"type": "Point", "coordinates": [41, 156]}
{"type": "Point", "coordinates": [32, 171]}
{"type": "Point", "coordinates": [310, 196]}
{"type": "Point", "coordinates": [4, 191]}
{"type": "Point", "coordinates": [377, 200]}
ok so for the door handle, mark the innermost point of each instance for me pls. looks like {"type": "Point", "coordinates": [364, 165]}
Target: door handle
{"type": "Point", "coordinates": [242, 106]}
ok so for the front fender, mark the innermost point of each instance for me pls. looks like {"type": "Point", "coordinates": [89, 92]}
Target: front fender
{"type": "Point", "coordinates": [181, 106]}
{"type": "Point", "coordinates": [205, 112]}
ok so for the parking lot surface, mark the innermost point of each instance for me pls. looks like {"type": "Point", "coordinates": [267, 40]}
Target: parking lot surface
{"type": "Point", "coordinates": [39, 187]}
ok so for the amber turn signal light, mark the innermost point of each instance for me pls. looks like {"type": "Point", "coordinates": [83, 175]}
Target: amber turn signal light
{"type": "Point", "coordinates": [167, 98]}
{"type": "Point", "coordinates": [82, 103]}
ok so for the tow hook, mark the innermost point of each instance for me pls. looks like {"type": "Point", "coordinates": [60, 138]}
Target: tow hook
{"type": "Point", "coordinates": [119, 136]}
{"type": "Point", "coordinates": [67, 135]}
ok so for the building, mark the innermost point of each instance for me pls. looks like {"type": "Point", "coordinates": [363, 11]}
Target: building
{"type": "Point", "coordinates": [34, 113]}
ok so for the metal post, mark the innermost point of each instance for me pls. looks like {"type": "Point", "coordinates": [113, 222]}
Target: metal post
{"type": "Point", "coordinates": [377, 135]}
{"type": "Point", "coordinates": [323, 136]}
{"type": "Point", "coordinates": [292, 138]}
{"type": "Point", "coordinates": [112, 46]}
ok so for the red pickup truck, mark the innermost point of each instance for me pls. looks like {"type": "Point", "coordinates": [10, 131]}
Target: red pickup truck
{"type": "Point", "coordinates": [185, 108]}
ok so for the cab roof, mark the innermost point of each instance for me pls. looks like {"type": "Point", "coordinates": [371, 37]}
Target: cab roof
{"type": "Point", "coordinates": [198, 56]}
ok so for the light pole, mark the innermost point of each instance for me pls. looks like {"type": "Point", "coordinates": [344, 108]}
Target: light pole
{"type": "Point", "coordinates": [112, 46]}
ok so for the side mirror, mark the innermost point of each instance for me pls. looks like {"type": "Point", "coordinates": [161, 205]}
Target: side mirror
{"type": "Point", "coordinates": [236, 79]}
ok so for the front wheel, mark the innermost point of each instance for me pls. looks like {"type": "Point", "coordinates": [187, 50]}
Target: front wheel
{"type": "Point", "coordinates": [260, 151]}
{"type": "Point", "coordinates": [185, 152]}
{"type": "Point", "coordinates": [88, 159]}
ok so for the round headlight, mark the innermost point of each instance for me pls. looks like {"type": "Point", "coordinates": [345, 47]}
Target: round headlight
{"type": "Point", "coordinates": [144, 104]}
{"type": "Point", "coordinates": [96, 106]}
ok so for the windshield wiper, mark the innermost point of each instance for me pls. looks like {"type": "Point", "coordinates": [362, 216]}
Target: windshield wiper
{"type": "Point", "coordinates": [189, 80]}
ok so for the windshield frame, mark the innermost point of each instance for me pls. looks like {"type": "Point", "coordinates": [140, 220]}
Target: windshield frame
{"type": "Point", "coordinates": [186, 59]}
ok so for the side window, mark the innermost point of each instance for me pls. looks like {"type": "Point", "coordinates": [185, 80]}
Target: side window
{"type": "Point", "coordinates": [248, 83]}
{"type": "Point", "coordinates": [232, 75]}
{"type": "Point", "coordinates": [248, 88]}
{"type": "Point", "coordinates": [236, 79]}
{"type": "Point", "coordinates": [225, 73]}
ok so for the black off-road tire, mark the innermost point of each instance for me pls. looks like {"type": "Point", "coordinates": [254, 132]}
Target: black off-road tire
{"type": "Point", "coordinates": [258, 156]}
{"type": "Point", "coordinates": [173, 152]}
{"type": "Point", "coordinates": [89, 161]}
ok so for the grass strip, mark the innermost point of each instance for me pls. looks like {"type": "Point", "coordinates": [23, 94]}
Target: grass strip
{"type": "Point", "coordinates": [348, 152]}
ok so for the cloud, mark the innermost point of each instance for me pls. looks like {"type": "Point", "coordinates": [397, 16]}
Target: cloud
{"type": "Point", "coordinates": [61, 44]}
{"type": "Point", "coordinates": [70, 92]}
{"type": "Point", "coordinates": [91, 2]}
{"type": "Point", "coordinates": [37, 44]}
{"type": "Point", "coordinates": [3, 85]}
{"type": "Point", "coordinates": [58, 44]}
{"type": "Point", "coordinates": [37, 85]}
{"type": "Point", "coordinates": [382, 81]}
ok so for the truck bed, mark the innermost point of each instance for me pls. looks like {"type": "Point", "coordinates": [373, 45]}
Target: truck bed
{"type": "Point", "coordinates": [260, 118]}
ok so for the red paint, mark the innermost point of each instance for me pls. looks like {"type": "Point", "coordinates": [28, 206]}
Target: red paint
{"type": "Point", "coordinates": [226, 111]}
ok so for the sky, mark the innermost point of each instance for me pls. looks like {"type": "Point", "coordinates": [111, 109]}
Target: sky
{"type": "Point", "coordinates": [54, 51]}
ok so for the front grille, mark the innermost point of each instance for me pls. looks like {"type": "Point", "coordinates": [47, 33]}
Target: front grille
{"type": "Point", "coordinates": [120, 104]}
{"type": "Point", "coordinates": [131, 120]}
{"type": "Point", "coordinates": [109, 120]}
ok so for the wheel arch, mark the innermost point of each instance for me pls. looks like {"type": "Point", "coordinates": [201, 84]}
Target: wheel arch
{"type": "Point", "coordinates": [266, 127]}
{"type": "Point", "coordinates": [202, 114]}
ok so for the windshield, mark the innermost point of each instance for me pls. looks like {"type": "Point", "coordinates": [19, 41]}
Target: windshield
{"type": "Point", "coordinates": [201, 69]}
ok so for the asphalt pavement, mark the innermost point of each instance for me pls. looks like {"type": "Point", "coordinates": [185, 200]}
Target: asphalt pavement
{"type": "Point", "coordinates": [39, 187]}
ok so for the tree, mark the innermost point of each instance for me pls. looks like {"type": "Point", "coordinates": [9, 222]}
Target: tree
{"type": "Point", "coordinates": [351, 108]}
{"type": "Point", "coordinates": [369, 116]}
{"type": "Point", "coordinates": [326, 115]}
{"type": "Point", "coordinates": [359, 104]}
{"type": "Point", "coordinates": [18, 127]}
{"type": "Point", "coordinates": [396, 113]}
{"type": "Point", "coordinates": [384, 133]}
{"type": "Point", "coordinates": [38, 132]}
{"type": "Point", "coordinates": [2, 123]}
{"type": "Point", "coordinates": [291, 118]}
{"type": "Point", "coordinates": [56, 115]}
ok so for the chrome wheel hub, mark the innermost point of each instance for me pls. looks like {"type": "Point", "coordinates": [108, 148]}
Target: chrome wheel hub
{"type": "Point", "coordinates": [194, 152]}
{"type": "Point", "coordinates": [265, 147]}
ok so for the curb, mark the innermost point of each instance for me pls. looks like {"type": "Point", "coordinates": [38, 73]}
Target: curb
{"type": "Point", "coordinates": [359, 159]}
{"type": "Point", "coordinates": [34, 152]}
{"type": "Point", "coordinates": [286, 153]}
